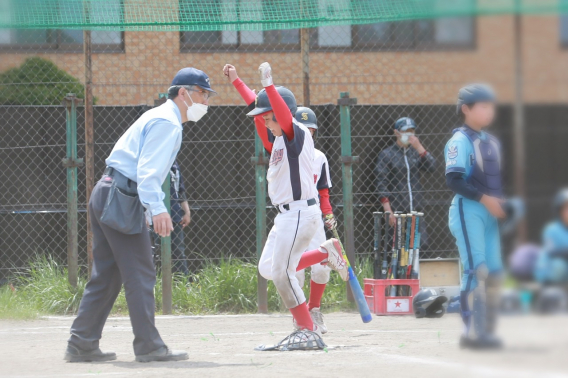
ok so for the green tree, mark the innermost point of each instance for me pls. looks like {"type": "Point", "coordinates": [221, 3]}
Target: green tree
{"type": "Point", "coordinates": [37, 81]}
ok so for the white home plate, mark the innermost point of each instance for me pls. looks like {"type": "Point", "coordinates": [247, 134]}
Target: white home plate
{"type": "Point", "coordinates": [398, 305]}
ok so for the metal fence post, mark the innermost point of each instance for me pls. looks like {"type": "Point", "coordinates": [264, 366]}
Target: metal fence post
{"type": "Point", "coordinates": [260, 178]}
{"type": "Point", "coordinates": [166, 257]}
{"type": "Point", "coordinates": [347, 160]}
{"type": "Point", "coordinates": [71, 162]}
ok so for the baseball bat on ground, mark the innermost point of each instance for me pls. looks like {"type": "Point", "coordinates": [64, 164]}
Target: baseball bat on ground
{"type": "Point", "coordinates": [386, 244]}
{"type": "Point", "coordinates": [416, 263]}
{"type": "Point", "coordinates": [362, 305]}
{"type": "Point", "coordinates": [377, 241]}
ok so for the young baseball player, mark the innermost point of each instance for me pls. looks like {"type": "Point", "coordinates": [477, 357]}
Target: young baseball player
{"type": "Point", "coordinates": [473, 172]}
{"type": "Point", "coordinates": [292, 191]}
{"type": "Point", "coordinates": [322, 179]}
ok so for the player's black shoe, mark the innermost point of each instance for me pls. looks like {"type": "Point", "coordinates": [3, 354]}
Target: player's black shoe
{"type": "Point", "coordinates": [163, 354]}
{"type": "Point", "coordinates": [481, 343]}
{"type": "Point", "coordinates": [74, 354]}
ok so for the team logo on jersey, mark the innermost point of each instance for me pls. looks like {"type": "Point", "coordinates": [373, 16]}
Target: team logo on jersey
{"type": "Point", "coordinates": [276, 156]}
{"type": "Point", "coordinates": [304, 116]}
{"type": "Point", "coordinates": [451, 162]}
{"type": "Point", "coordinates": [452, 152]}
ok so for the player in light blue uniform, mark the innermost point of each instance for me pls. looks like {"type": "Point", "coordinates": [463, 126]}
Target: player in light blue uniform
{"type": "Point", "coordinates": [552, 263]}
{"type": "Point", "coordinates": [473, 172]}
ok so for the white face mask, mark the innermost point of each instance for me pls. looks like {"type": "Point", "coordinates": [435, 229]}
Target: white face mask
{"type": "Point", "coordinates": [196, 111]}
{"type": "Point", "coordinates": [404, 138]}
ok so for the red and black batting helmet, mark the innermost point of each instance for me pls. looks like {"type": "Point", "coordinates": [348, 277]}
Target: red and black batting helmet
{"type": "Point", "coordinates": [262, 104]}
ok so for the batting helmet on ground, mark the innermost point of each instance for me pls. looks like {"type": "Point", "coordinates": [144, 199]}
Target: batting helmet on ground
{"type": "Point", "coordinates": [307, 117]}
{"type": "Point", "coordinates": [472, 93]}
{"type": "Point", "coordinates": [262, 104]}
{"type": "Point", "coordinates": [427, 303]}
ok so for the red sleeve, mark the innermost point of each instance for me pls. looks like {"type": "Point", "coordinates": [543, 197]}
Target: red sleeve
{"type": "Point", "coordinates": [281, 111]}
{"type": "Point", "coordinates": [262, 132]}
{"type": "Point", "coordinates": [246, 93]}
{"type": "Point", "coordinates": [325, 206]}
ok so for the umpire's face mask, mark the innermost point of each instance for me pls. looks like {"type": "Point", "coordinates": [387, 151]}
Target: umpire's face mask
{"type": "Point", "coordinates": [196, 111]}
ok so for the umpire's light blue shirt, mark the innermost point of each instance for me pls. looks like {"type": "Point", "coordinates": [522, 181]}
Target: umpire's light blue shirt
{"type": "Point", "coordinates": [146, 152]}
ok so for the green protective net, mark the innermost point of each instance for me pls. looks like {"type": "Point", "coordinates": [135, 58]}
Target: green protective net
{"type": "Point", "coordinates": [207, 15]}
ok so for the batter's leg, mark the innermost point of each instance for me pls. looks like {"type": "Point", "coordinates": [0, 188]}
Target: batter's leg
{"type": "Point", "coordinates": [265, 261]}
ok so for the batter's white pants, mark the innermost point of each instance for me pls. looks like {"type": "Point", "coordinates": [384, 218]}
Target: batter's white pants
{"type": "Point", "coordinates": [288, 239]}
{"type": "Point", "coordinates": [320, 273]}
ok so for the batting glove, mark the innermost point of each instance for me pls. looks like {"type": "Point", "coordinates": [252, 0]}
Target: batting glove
{"type": "Point", "coordinates": [330, 222]}
{"type": "Point", "coordinates": [265, 72]}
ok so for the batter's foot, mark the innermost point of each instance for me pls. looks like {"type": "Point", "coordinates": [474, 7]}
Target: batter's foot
{"type": "Point", "coordinates": [317, 318]}
{"type": "Point", "coordinates": [335, 257]}
{"type": "Point", "coordinates": [74, 354]}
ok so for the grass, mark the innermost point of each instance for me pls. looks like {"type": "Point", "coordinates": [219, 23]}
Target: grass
{"type": "Point", "coordinates": [228, 285]}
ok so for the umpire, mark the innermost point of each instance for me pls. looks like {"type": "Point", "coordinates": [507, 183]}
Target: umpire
{"type": "Point", "coordinates": [122, 254]}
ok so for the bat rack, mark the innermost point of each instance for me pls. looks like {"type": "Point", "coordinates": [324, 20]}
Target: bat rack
{"type": "Point", "coordinates": [382, 304]}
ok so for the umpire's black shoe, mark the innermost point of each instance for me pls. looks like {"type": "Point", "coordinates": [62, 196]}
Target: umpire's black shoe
{"type": "Point", "coordinates": [74, 354]}
{"type": "Point", "coordinates": [163, 354]}
{"type": "Point", "coordinates": [485, 342]}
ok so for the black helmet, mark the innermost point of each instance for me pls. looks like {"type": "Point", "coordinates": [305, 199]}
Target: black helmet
{"type": "Point", "coordinates": [427, 303]}
{"type": "Point", "coordinates": [560, 199]}
{"type": "Point", "coordinates": [307, 117]}
{"type": "Point", "coordinates": [472, 93]}
{"type": "Point", "coordinates": [262, 104]}
{"type": "Point", "coordinates": [514, 209]}
{"type": "Point", "coordinates": [404, 123]}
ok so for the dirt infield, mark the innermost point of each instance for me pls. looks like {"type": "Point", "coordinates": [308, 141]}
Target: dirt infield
{"type": "Point", "coordinates": [222, 346]}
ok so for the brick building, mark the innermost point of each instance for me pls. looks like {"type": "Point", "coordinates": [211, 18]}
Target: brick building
{"type": "Point", "coordinates": [411, 62]}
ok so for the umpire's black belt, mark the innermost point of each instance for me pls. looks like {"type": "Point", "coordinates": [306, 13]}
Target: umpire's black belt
{"type": "Point", "coordinates": [296, 205]}
{"type": "Point", "coordinates": [121, 180]}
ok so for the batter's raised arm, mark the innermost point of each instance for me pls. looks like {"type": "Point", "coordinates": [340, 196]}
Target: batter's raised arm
{"type": "Point", "coordinates": [279, 107]}
{"type": "Point", "coordinates": [249, 97]}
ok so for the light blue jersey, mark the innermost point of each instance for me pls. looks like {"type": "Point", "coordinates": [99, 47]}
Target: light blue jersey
{"type": "Point", "coordinates": [552, 269]}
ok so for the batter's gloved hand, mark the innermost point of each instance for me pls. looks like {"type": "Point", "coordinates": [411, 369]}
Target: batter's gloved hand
{"type": "Point", "coordinates": [265, 72]}
{"type": "Point", "coordinates": [330, 222]}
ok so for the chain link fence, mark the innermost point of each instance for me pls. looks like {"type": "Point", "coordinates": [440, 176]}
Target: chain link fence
{"type": "Point", "coordinates": [394, 69]}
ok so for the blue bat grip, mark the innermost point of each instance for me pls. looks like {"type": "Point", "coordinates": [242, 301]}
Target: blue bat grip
{"type": "Point", "coordinates": [359, 297]}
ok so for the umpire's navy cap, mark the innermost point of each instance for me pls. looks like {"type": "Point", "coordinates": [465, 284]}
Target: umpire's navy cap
{"type": "Point", "coordinates": [193, 76]}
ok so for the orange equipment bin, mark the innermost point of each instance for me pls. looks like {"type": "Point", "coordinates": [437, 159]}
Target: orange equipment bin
{"type": "Point", "coordinates": [381, 304]}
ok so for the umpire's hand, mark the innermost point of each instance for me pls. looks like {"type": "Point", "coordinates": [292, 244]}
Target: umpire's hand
{"type": "Point", "coordinates": [163, 225]}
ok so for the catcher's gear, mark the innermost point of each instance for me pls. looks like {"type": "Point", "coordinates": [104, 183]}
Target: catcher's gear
{"type": "Point", "coordinates": [427, 303]}
{"type": "Point", "coordinates": [307, 117]}
{"type": "Point", "coordinates": [297, 340]}
{"type": "Point", "coordinates": [265, 72]}
{"type": "Point", "coordinates": [514, 209]}
{"type": "Point", "coordinates": [330, 222]}
{"type": "Point", "coordinates": [335, 258]}
{"type": "Point", "coordinates": [404, 124]}
{"type": "Point", "coordinates": [472, 93]}
{"type": "Point", "coordinates": [262, 104]}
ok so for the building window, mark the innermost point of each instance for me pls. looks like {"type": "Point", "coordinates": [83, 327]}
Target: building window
{"type": "Point", "coordinates": [68, 40]}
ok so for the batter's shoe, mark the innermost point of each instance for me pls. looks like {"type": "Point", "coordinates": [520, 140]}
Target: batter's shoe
{"type": "Point", "coordinates": [480, 343]}
{"type": "Point", "coordinates": [335, 258]}
{"type": "Point", "coordinates": [74, 354]}
{"type": "Point", "coordinates": [317, 318]}
{"type": "Point", "coordinates": [163, 354]}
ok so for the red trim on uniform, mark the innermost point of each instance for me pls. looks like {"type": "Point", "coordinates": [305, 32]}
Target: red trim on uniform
{"type": "Point", "coordinates": [424, 154]}
{"type": "Point", "coordinates": [246, 93]}
{"type": "Point", "coordinates": [310, 258]}
{"type": "Point", "coordinates": [281, 111]}
{"type": "Point", "coordinates": [384, 200]}
{"type": "Point", "coordinates": [303, 317]}
{"type": "Point", "coordinates": [325, 206]}
{"type": "Point", "coordinates": [316, 293]}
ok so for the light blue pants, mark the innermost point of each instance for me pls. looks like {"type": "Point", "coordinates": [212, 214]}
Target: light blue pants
{"type": "Point", "coordinates": [477, 238]}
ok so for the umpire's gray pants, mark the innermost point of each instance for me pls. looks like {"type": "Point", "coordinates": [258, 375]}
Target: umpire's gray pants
{"type": "Point", "coordinates": [117, 259]}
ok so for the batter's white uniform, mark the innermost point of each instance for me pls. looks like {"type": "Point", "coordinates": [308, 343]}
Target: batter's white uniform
{"type": "Point", "coordinates": [290, 179]}
{"type": "Point", "coordinates": [320, 273]}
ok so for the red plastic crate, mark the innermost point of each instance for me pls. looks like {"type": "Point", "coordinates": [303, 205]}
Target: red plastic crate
{"type": "Point", "coordinates": [381, 304]}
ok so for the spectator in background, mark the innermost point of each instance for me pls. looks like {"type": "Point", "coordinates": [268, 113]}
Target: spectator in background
{"type": "Point", "coordinates": [181, 217]}
{"type": "Point", "coordinates": [398, 171]}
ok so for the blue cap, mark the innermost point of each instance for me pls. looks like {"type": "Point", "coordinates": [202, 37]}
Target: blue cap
{"type": "Point", "coordinates": [472, 93]}
{"type": "Point", "coordinates": [404, 123]}
{"type": "Point", "coordinates": [192, 76]}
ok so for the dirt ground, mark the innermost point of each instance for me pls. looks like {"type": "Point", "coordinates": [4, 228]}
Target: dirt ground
{"type": "Point", "coordinates": [221, 346]}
